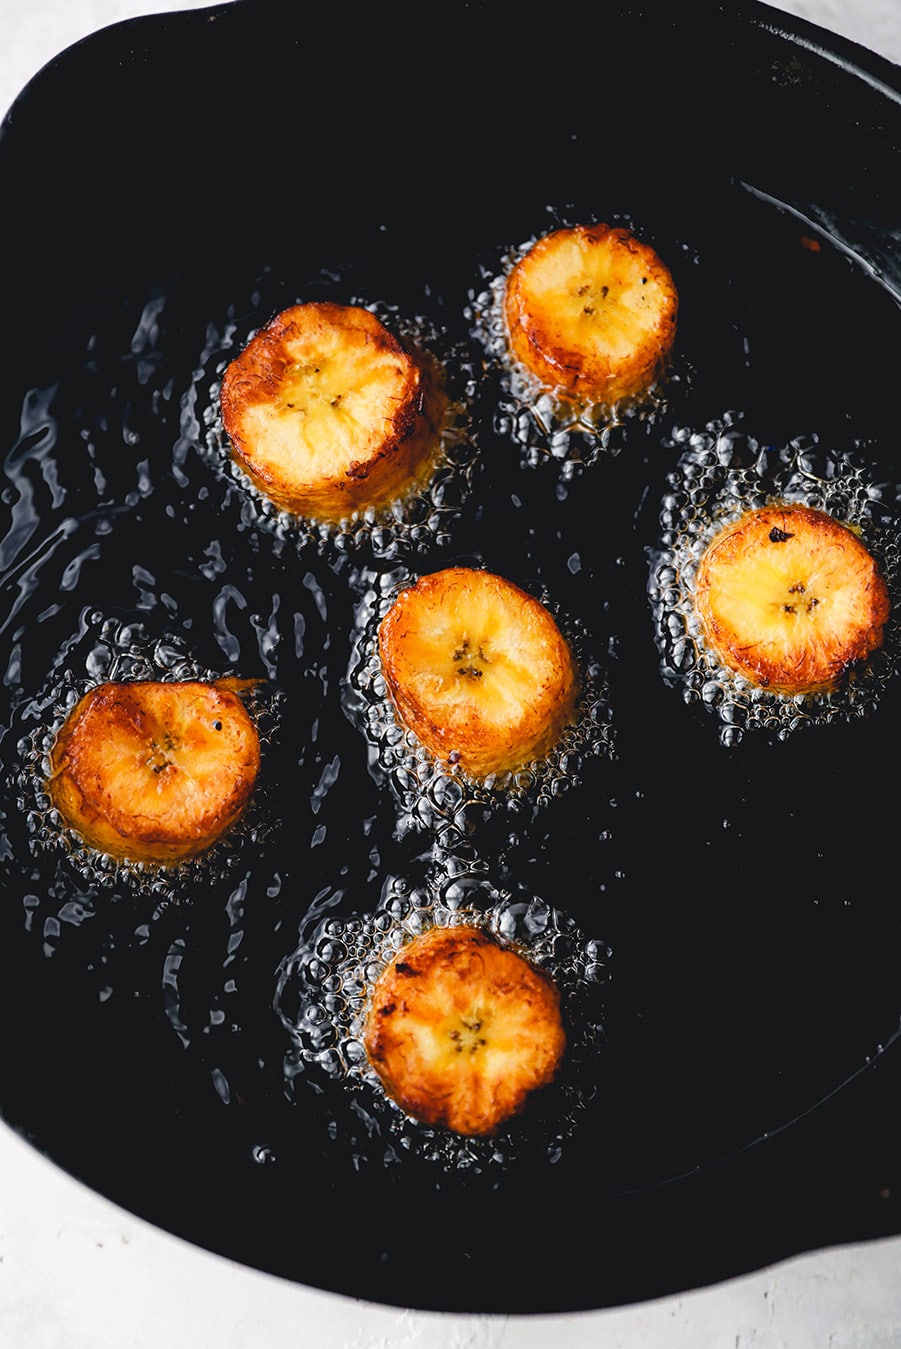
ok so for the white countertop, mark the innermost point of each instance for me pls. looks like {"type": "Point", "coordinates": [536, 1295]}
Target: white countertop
{"type": "Point", "coordinates": [76, 1272]}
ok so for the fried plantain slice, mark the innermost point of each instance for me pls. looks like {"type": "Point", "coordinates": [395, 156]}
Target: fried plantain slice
{"type": "Point", "coordinates": [591, 313]}
{"type": "Point", "coordinates": [154, 771]}
{"type": "Point", "coordinates": [478, 669]}
{"type": "Point", "coordinates": [790, 598]}
{"type": "Point", "coordinates": [329, 413]}
{"type": "Point", "coordinates": [462, 1030]}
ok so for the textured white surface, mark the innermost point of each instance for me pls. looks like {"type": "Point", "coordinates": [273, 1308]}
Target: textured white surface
{"type": "Point", "coordinates": [875, 24]}
{"type": "Point", "coordinates": [78, 1273]}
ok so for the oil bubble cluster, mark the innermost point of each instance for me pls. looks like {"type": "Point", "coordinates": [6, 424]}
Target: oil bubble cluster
{"type": "Point", "coordinates": [440, 797]}
{"type": "Point", "coordinates": [110, 650]}
{"type": "Point", "coordinates": [422, 520]}
{"type": "Point", "coordinates": [722, 472]}
{"type": "Point", "coordinates": [322, 995]}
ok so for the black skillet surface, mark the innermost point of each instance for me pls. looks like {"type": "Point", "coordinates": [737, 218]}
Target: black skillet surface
{"type": "Point", "coordinates": [173, 180]}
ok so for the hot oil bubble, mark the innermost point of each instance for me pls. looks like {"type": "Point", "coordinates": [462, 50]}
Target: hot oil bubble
{"type": "Point", "coordinates": [422, 520]}
{"type": "Point", "coordinates": [544, 426]}
{"type": "Point", "coordinates": [111, 650]}
{"type": "Point", "coordinates": [722, 472]}
{"type": "Point", "coordinates": [322, 998]}
{"type": "Point", "coordinates": [440, 798]}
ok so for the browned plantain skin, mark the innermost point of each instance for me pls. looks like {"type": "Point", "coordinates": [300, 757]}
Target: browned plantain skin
{"type": "Point", "coordinates": [822, 589]}
{"type": "Point", "coordinates": [461, 1031]}
{"type": "Point", "coordinates": [154, 772]}
{"type": "Point", "coordinates": [591, 312]}
{"type": "Point", "coordinates": [359, 438]}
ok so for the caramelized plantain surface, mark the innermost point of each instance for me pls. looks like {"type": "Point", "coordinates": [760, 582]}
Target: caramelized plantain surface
{"type": "Point", "coordinates": [329, 413]}
{"type": "Point", "coordinates": [591, 313]}
{"type": "Point", "coordinates": [461, 1030]}
{"type": "Point", "coordinates": [154, 771]}
{"type": "Point", "coordinates": [790, 599]}
{"type": "Point", "coordinates": [478, 669]}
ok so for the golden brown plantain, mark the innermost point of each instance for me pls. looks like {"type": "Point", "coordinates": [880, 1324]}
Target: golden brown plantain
{"type": "Point", "coordinates": [329, 413]}
{"type": "Point", "coordinates": [478, 669]}
{"type": "Point", "coordinates": [790, 598]}
{"type": "Point", "coordinates": [154, 771]}
{"type": "Point", "coordinates": [462, 1030]}
{"type": "Point", "coordinates": [591, 313]}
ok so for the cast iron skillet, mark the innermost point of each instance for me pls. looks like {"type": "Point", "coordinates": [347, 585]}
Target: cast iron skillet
{"type": "Point", "coordinates": [181, 175]}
